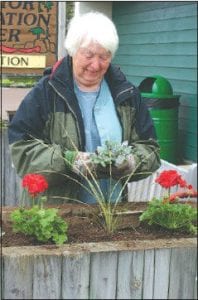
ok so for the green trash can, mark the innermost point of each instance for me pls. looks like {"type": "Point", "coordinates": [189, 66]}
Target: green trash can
{"type": "Point", "coordinates": [163, 106]}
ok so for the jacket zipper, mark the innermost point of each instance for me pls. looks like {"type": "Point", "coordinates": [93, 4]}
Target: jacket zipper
{"type": "Point", "coordinates": [80, 140]}
{"type": "Point", "coordinates": [122, 92]}
{"type": "Point", "coordinates": [117, 96]}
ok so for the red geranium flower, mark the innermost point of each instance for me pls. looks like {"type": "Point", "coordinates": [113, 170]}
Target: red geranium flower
{"type": "Point", "coordinates": [170, 178]}
{"type": "Point", "coordinates": [35, 184]}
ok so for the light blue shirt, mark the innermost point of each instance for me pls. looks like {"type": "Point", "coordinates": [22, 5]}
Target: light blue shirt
{"type": "Point", "coordinates": [101, 123]}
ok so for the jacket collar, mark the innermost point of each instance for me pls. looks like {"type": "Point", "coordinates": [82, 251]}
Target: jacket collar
{"type": "Point", "coordinates": [120, 87]}
{"type": "Point", "coordinates": [62, 74]}
{"type": "Point", "coordinates": [61, 80]}
{"type": "Point", "coordinates": [62, 77]}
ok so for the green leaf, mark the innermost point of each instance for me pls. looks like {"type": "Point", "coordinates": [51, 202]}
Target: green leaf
{"type": "Point", "coordinates": [111, 153]}
{"type": "Point", "coordinates": [44, 224]}
{"type": "Point", "coordinates": [173, 216]}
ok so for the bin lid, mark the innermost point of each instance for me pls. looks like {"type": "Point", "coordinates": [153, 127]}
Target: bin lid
{"type": "Point", "coordinates": [156, 87]}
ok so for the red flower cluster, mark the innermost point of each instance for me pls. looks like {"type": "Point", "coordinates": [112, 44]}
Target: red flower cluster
{"type": "Point", "coordinates": [170, 178]}
{"type": "Point", "coordinates": [35, 184]}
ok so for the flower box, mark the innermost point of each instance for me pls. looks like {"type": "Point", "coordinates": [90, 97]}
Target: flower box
{"type": "Point", "coordinates": [142, 264]}
{"type": "Point", "coordinates": [162, 268]}
{"type": "Point", "coordinates": [157, 269]}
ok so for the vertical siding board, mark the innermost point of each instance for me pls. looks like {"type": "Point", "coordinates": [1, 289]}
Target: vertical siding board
{"type": "Point", "coordinates": [75, 278]}
{"type": "Point", "coordinates": [18, 277]}
{"type": "Point", "coordinates": [195, 288]}
{"type": "Point", "coordinates": [2, 165]}
{"type": "Point", "coordinates": [137, 279]}
{"type": "Point", "coordinates": [161, 273]}
{"type": "Point", "coordinates": [148, 274]}
{"type": "Point", "coordinates": [18, 189]}
{"type": "Point", "coordinates": [47, 277]}
{"type": "Point", "coordinates": [182, 273]}
{"type": "Point", "coordinates": [130, 275]}
{"type": "Point", "coordinates": [103, 275]}
{"type": "Point", "coordinates": [125, 260]}
{"type": "Point", "coordinates": [9, 174]}
{"type": "Point", "coordinates": [10, 181]}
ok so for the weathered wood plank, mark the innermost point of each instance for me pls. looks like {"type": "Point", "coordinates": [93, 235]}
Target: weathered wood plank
{"type": "Point", "coordinates": [47, 277]}
{"type": "Point", "coordinates": [195, 286]}
{"type": "Point", "coordinates": [62, 6]}
{"type": "Point", "coordinates": [111, 270]}
{"type": "Point", "coordinates": [125, 260]}
{"type": "Point", "coordinates": [130, 275]}
{"type": "Point", "coordinates": [137, 274]}
{"type": "Point", "coordinates": [103, 275]}
{"type": "Point", "coordinates": [182, 273]}
{"type": "Point", "coordinates": [18, 277]}
{"type": "Point", "coordinates": [10, 188]}
{"type": "Point", "coordinates": [75, 277]}
{"type": "Point", "coordinates": [148, 274]}
{"type": "Point", "coordinates": [103, 247]}
{"type": "Point", "coordinates": [161, 276]}
{"type": "Point", "coordinates": [2, 166]}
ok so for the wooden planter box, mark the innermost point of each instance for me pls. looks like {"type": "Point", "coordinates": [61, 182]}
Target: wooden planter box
{"type": "Point", "coordinates": [157, 269]}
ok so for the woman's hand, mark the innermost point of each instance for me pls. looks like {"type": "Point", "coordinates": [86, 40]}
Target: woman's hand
{"type": "Point", "coordinates": [126, 168]}
{"type": "Point", "coordinates": [82, 164]}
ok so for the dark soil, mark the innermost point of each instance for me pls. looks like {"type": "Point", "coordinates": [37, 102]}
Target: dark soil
{"type": "Point", "coordinates": [85, 226]}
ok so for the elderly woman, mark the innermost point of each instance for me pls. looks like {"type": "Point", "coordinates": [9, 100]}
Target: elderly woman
{"type": "Point", "coordinates": [83, 102]}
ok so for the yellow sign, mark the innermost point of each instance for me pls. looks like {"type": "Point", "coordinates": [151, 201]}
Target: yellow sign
{"type": "Point", "coordinates": [23, 61]}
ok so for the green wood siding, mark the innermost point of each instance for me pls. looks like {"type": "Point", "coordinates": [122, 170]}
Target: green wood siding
{"type": "Point", "coordinates": [160, 38]}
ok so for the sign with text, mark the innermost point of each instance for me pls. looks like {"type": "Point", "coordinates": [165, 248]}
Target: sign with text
{"type": "Point", "coordinates": [23, 61]}
{"type": "Point", "coordinates": [28, 36]}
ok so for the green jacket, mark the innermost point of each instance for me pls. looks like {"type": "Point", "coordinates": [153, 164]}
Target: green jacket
{"type": "Point", "coordinates": [49, 121]}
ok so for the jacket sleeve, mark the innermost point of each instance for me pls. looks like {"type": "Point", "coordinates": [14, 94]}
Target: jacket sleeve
{"type": "Point", "coordinates": [146, 150]}
{"type": "Point", "coordinates": [31, 150]}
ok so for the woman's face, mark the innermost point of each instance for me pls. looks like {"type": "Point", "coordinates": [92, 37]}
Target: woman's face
{"type": "Point", "coordinates": [90, 63]}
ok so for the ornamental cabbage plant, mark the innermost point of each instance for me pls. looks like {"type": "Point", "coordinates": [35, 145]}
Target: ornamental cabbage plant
{"type": "Point", "coordinates": [42, 223]}
{"type": "Point", "coordinates": [112, 153]}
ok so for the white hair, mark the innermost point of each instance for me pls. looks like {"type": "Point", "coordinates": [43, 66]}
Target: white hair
{"type": "Point", "coordinates": [91, 27]}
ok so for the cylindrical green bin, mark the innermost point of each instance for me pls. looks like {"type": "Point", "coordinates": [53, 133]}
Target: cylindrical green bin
{"type": "Point", "coordinates": [158, 95]}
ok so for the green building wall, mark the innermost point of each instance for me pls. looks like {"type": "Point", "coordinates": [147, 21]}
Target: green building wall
{"type": "Point", "coordinates": [160, 38]}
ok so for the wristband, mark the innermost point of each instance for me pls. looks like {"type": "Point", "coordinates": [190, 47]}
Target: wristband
{"type": "Point", "coordinates": [70, 157]}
